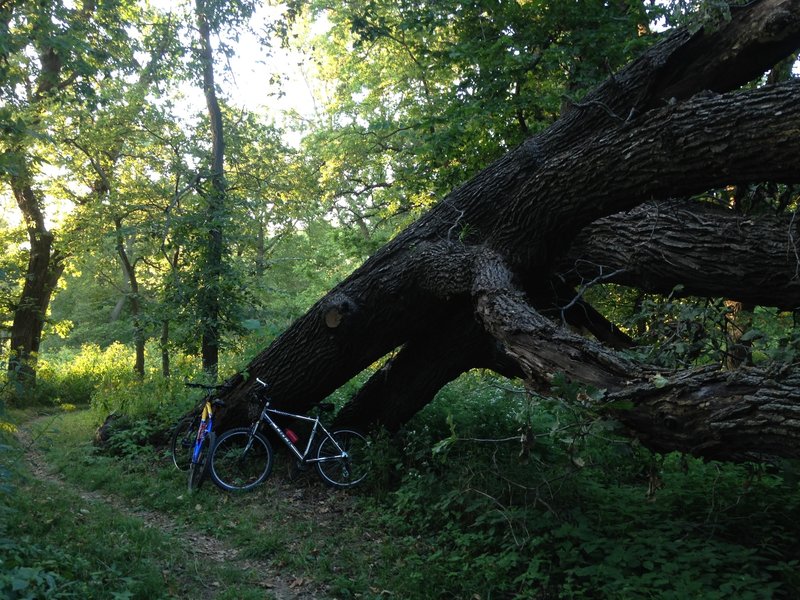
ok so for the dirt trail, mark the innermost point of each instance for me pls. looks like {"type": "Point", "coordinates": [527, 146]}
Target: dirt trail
{"type": "Point", "coordinates": [198, 545]}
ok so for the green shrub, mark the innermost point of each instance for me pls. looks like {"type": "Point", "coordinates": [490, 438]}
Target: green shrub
{"type": "Point", "coordinates": [578, 513]}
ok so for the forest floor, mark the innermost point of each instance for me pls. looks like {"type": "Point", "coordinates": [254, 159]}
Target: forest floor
{"type": "Point", "coordinates": [197, 549]}
{"type": "Point", "coordinates": [467, 520]}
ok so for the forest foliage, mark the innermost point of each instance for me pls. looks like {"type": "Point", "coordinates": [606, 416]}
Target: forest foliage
{"type": "Point", "coordinates": [490, 490]}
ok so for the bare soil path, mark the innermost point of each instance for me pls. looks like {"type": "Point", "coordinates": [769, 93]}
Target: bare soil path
{"type": "Point", "coordinates": [199, 547]}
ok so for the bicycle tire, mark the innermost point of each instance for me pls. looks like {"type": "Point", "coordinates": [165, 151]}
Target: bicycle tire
{"type": "Point", "coordinates": [199, 470]}
{"type": "Point", "coordinates": [181, 443]}
{"type": "Point", "coordinates": [237, 466]}
{"type": "Point", "coordinates": [342, 472]}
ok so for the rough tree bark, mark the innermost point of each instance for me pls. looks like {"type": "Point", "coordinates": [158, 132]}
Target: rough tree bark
{"type": "Point", "coordinates": [45, 266]}
{"type": "Point", "coordinates": [45, 263]}
{"type": "Point", "coordinates": [469, 283]}
{"type": "Point", "coordinates": [709, 250]}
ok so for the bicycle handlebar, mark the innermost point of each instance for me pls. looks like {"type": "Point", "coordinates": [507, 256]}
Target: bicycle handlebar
{"type": "Point", "coordinates": [322, 406]}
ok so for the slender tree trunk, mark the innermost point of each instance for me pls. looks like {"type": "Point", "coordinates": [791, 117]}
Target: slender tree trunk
{"type": "Point", "coordinates": [164, 345]}
{"type": "Point", "coordinates": [173, 259]}
{"type": "Point", "coordinates": [261, 249]}
{"type": "Point", "coordinates": [215, 204]}
{"type": "Point", "coordinates": [129, 270]}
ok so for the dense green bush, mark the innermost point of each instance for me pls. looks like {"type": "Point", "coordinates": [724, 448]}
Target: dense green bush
{"type": "Point", "coordinates": [71, 376]}
{"type": "Point", "coordinates": [103, 378]}
{"type": "Point", "coordinates": [506, 495]}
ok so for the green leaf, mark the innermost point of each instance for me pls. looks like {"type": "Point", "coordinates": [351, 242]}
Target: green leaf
{"type": "Point", "coordinates": [660, 381]}
{"type": "Point", "coordinates": [620, 405]}
{"type": "Point", "coordinates": [251, 324]}
{"type": "Point", "coordinates": [442, 445]}
{"type": "Point", "coordinates": [18, 584]}
{"type": "Point", "coordinates": [752, 334]}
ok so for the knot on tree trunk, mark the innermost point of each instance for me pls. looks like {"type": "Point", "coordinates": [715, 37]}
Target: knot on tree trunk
{"type": "Point", "coordinates": [337, 309]}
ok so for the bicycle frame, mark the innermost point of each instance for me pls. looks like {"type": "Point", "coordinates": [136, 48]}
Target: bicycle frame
{"type": "Point", "coordinates": [317, 427]}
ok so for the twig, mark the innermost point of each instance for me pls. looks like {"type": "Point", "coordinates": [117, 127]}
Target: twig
{"type": "Point", "coordinates": [589, 103]}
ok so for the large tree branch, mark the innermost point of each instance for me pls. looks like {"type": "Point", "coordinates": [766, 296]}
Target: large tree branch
{"type": "Point", "coordinates": [733, 415]}
{"type": "Point", "coordinates": [758, 33]}
{"type": "Point", "coordinates": [410, 379]}
{"type": "Point", "coordinates": [540, 347]}
{"type": "Point", "coordinates": [708, 250]}
{"type": "Point", "coordinates": [744, 414]}
{"type": "Point", "coordinates": [528, 206]}
{"type": "Point", "coordinates": [706, 142]}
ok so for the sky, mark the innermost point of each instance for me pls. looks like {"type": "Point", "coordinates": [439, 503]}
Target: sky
{"type": "Point", "coordinates": [248, 85]}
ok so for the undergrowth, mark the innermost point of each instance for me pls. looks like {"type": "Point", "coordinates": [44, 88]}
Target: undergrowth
{"type": "Point", "coordinates": [489, 492]}
{"type": "Point", "coordinates": [530, 499]}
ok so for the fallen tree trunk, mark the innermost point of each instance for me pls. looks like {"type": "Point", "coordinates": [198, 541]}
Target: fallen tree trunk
{"type": "Point", "coordinates": [651, 132]}
{"type": "Point", "coordinates": [745, 414]}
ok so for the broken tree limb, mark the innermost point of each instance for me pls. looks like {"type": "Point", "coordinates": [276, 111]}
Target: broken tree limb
{"type": "Point", "coordinates": [539, 346]}
{"type": "Point", "coordinates": [746, 414]}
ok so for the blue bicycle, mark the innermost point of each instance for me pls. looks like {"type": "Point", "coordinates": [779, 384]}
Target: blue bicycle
{"type": "Point", "coordinates": [193, 439]}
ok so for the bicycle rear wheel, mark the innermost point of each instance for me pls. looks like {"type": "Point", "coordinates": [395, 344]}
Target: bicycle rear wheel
{"type": "Point", "coordinates": [198, 470]}
{"type": "Point", "coordinates": [241, 460]}
{"type": "Point", "coordinates": [342, 464]}
{"type": "Point", "coordinates": [182, 442]}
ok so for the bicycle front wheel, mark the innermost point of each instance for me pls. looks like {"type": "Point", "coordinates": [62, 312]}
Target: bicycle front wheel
{"type": "Point", "coordinates": [198, 470]}
{"type": "Point", "coordinates": [182, 442]}
{"type": "Point", "coordinates": [241, 460]}
{"type": "Point", "coordinates": [342, 459]}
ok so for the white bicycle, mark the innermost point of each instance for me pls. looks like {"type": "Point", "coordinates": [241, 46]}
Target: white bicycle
{"type": "Point", "coordinates": [242, 458]}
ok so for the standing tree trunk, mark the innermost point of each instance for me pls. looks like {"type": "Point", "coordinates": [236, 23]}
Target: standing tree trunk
{"type": "Point", "coordinates": [129, 269]}
{"type": "Point", "coordinates": [215, 203]}
{"type": "Point", "coordinates": [173, 260]}
{"type": "Point", "coordinates": [164, 347]}
{"type": "Point", "coordinates": [45, 266]}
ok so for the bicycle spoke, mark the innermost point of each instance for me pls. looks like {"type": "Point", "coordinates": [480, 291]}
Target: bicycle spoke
{"type": "Point", "coordinates": [240, 460]}
{"type": "Point", "coordinates": [342, 459]}
{"type": "Point", "coordinates": [182, 441]}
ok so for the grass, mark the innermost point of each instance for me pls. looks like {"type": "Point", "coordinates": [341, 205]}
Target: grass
{"type": "Point", "coordinates": [57, 544]}
{"type": "Point", "coordinates": [302, 528]}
